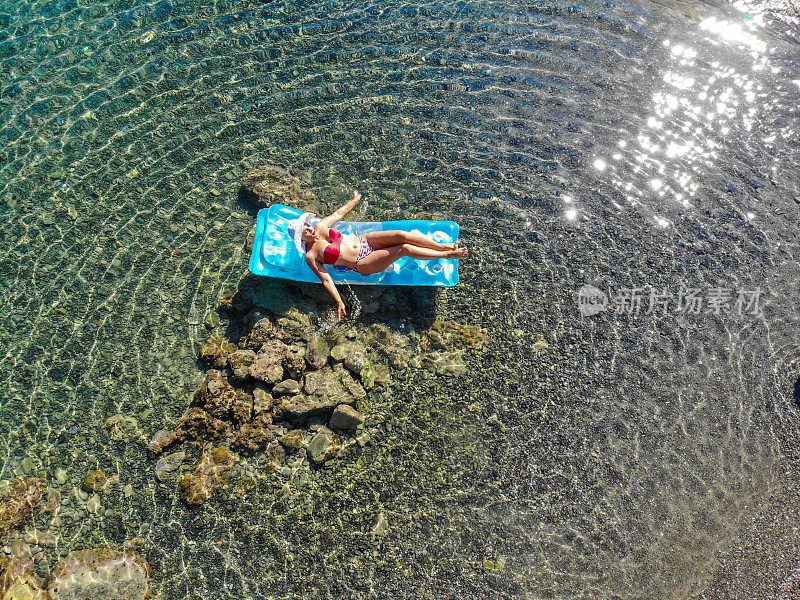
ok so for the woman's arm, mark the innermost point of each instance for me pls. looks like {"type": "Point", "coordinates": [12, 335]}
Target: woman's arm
{"type": "Point", "coordinates": [341, 212]}
{"type": "Point", "coordinates": [328, 284]}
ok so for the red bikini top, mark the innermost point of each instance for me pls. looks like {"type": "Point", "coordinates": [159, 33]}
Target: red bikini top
{"type": "Point", "coordinates": [331, 253]}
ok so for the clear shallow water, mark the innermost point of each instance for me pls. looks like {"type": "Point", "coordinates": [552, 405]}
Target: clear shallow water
{"type": "Point", "coordinates": [617, 144]}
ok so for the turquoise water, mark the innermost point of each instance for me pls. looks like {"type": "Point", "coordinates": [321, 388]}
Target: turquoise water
{"type": "Point", "coordinates": [618, 144]}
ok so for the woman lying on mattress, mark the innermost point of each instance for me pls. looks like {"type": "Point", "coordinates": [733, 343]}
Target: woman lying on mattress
{"type": "Point", "coordinates": [365, 254]}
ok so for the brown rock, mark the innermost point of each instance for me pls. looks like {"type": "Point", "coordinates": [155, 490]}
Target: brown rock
{"type": "Point", "coordinates": [254, 437]}
{"type": "Point", "coordinates": [346, 417]}
{"type": "Point", "coordinates": [240, 362]}
{"type": "Point", "coordinates": [39, 537]}
{"type": "Point", "coordinates": [215, 352]}
{"type": "Point", "coordinates": [286, 387]}
{"type": "Point", "coordinates": [324, 445]}
{"type": "Point", "coordinates": [268, 185]}
{"type": "Point", "coordinates": [215, 395]}
{"type": "Point", "coordinates": [221, 400]}
{"type": "Point", "coordinates": [268, 365]}
{"type": "Point", "coordinates": [299, 408]}
{"type": "Point", "coordinates": [334, 383]}
{"type": "Point", "coordinates": [262, 399]}
{"type": "Point", "coordinates": [292, 440]}
{"type": "Point", "coordinates": [317, 352]}
{"type": "Point", "coordinates": [449, 335]}
{"type": "Point", "coordinates": [210, 474]}
{"type": "Point", "coordinates": [276, 456]}
{"type": "Point", "coordinates": [100, 574]}
{"type": "Point", "coordinates": [98, 480]}
{"type": "Point", "coordinates": [19, 582]}
{"type": "Point", "coordinates": [295, 361]}
{"type": "Point", "coordinates": [294, 325]}
{"type": "Point", "coordinates": [242, 409]}
{"type": "Point", "coordinates": [161, 441]}
{"type": "Point", "coordinates": [21, 503]}
{"type": "Point", "coordinates": [235, 303]}
{"type": "Point", "coordinates": [257, 329]}
{"type": "Point", "coordinates": [198, 425]}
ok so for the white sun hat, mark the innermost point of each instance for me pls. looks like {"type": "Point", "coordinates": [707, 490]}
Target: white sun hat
{"type": "Point", "coordinates": [295, 229]}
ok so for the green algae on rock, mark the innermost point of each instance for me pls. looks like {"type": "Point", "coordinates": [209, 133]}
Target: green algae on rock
{"type": "Point", "coordinates": [100, 574]}
{"type": "Point", "coordinates": [98, 480]}
{"type": "Point", "coordinates": [21, 503]}
{"type": "Point", "coordinates": [19, 582]}
{"type": "Point", "coordinates": [210, 474]}
{"type": "Point", "coordinates": [268, 185]}
{"type": "Point", "coordinates": [324, 445]}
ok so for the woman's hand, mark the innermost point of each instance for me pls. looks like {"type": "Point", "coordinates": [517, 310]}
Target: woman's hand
{"type": "Point", "coordinates": [356, 196]}
{"type": "Point", "coordinates": [340, 311]}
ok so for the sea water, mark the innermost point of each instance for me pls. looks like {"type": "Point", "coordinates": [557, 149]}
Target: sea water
{"type": "Point", "coordinates": [625, 175]}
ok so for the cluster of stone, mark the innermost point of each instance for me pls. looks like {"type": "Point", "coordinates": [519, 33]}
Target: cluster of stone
{"type": "Point", "coordinates": [21, 503]}
{"type": "Point", "coordinates": [100, 573]}
{"type": "Point", "coordinates": [268, 185]}
{"type": "Point", "coordinates": [283, 388]}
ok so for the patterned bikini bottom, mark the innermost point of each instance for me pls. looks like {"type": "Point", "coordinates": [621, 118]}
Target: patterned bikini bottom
{"type": "Point", "coordinates": [365, 250]}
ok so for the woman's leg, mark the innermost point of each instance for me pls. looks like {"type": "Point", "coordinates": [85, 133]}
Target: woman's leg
{"type": "Point", "coordinates": [377, 260]}
{"type": "Point", "coordinates": [394, 237]}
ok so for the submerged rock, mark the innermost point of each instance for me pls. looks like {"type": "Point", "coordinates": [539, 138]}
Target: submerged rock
{"type": "Point", "coordinates": [295, 361]}
{"type": "Point", "coordinates": [240, 363]}
{"type": "Point", "coordinates": [286, 387]}
{"type": "Point", "coordinates": [98, 480]}
{"type": "Point", "coordinates": [167, 466]}
{"type": "Point", "coordinates": [100, 574]}
{"type": "Point", "coordinates": [334, 385]}
{"type": "Point", "coordinates": [210, 474]}
{"type": "Point", "coordinates": [235, 303]}
{"type": "Point", "coordinates": [19, 582]}
{"type": "Point", "coordinates": [262, 400]}
{"type": "Point", "coordinates": [215, 395]}
{"type": "Point", "coordinates": [254, 437]}
{"type": "Point", "coordinates": [268, 364]}
{"type": "Point", "coordinates": [324, 445]}
{"type": "Point", "coordinates": [355, 361]}
{"type": "Point", "coordinates": [298, 409]}
{"type": "Point", "coordinates": [197, 425]}
{"type": "Point", "coordinates": [162, 440]}
{"type": "Point", "coordinates": [122, 427]}
{"type": "Point", "coordinates": [346, 417]}
{"type": "Point", "coordinates": [215, 351]}
{"type": "Point", "coordinates": [268, 185]}
{"type": "Point", "coordinates": [381, 527]}
{"type": "Point", "coordinates": [317, 352]}
{"type": "Point", "coordinates": [449, 335]}
{"type": "Point", "coordinates": [21, 503]}
{"type": "Point", "coordinates": [341, 351]}
{"type": "Point", "coordinates": [257, 329]}
{"type": "Point", "coordinates": [292, 440]}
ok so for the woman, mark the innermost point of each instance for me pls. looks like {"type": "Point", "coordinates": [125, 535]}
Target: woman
{"type": "Point", "coordinates": [365, 254]}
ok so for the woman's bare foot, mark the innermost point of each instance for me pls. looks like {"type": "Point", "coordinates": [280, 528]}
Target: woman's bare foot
{"type": "Point", "coordinates": [459, 252]}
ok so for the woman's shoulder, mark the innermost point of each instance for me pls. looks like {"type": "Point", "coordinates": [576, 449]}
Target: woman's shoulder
{"type": "Point", "coordinates": [314, 252]}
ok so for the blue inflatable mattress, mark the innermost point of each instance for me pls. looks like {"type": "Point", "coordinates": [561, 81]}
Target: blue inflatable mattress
{"type": "Point", "coordinates": [276, 255]}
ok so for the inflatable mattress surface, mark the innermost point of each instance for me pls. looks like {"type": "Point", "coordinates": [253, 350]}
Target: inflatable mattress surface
{"type": "Point", "coordinates": [275, 255]}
